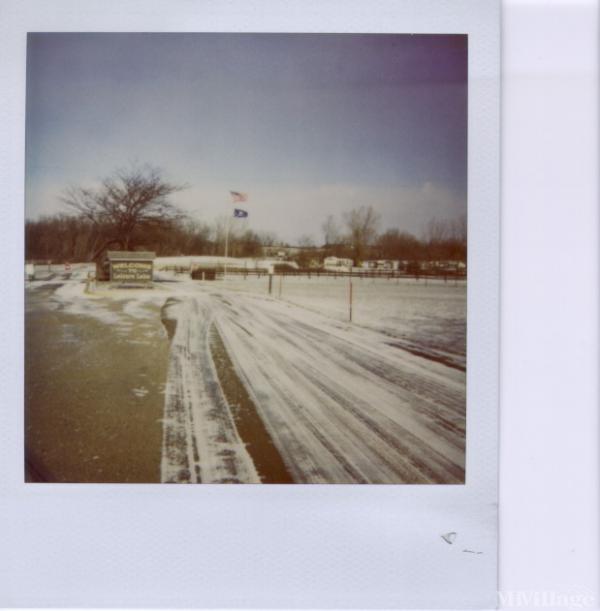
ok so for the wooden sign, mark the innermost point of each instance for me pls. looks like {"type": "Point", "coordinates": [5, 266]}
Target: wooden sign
{"type": "Point", "coordinates": [131, 271]}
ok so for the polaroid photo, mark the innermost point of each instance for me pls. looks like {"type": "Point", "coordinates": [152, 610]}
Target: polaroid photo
{"type": "Point", "coordinates": [260, 253]}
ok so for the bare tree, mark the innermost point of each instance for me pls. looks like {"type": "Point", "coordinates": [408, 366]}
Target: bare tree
{"type": "Point", "coordinates": [230, 230]}
{"type": "Point", "coordinates": [249, 244]}
{"type": "Point", "coordinates": [218, 231]}
{"type": "Point", "coordinates": [459, 229]}
{"type": "Point", "coordinates": [446, 239]}
{"type": "Point", "coordinates": [362, 225]}
{"type": "Point", "coordinates": [437, 231]}
{"type": "Point", "coordinates": [306, 241]}
{"type": "Point", "coordinates": [306, 254]}
{"type": "Point", "coordinates": [394, 244]}
{"type": "Point", "coordinates": [127, 200]}
{"type": "Point", "coordinates": [331, 231]}
{"type": "Point", "coordinates": [459, 239]}
{"type": "Point", "coordinates": [196, 236]}
{"type": "Point", "coordinates": [268, 238]}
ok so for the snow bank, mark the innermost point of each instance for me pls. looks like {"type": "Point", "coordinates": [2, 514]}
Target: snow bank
{"type": "Point", "coordinates": [212, 262]}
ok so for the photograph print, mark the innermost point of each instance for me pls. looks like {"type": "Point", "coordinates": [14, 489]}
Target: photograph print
{"type": "Point", "coordinates": [246, 258]}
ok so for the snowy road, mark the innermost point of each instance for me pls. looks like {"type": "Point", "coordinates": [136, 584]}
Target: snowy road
{"type": "Point", "coordinates": [340, 404]}
{"type": "Point", "coordinates": [261, 389]}
{"type": "Point", "coordinates": [200, 441]}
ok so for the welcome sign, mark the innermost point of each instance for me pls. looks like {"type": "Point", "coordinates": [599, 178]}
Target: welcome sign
{"type": "Point", "coordinates": [131, 271]}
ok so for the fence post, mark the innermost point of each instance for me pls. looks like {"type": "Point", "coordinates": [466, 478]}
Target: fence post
{"type": "Point", "coordinates": [270, 283]}
{"type": "Point", "coordinates": [350, 297]}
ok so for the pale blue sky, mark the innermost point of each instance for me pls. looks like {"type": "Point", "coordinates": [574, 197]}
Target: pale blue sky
{"type": "Point", "coordinates": [307, 125]}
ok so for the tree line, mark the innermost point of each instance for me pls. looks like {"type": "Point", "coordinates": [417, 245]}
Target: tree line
{"type": "Point", "coordinates": [357, 237]}
{"type": "Point", "coordinates": [63, 237]}
{"type": "Point", "coordinates": [130, 210]}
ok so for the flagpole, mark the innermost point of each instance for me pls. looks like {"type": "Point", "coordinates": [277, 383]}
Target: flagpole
{"type": "Point", "coordinates": [242, 197]}
{"type": "Point", "coordinates": [226, 246]}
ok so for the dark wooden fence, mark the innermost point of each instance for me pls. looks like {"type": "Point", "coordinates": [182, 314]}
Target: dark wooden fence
{"type": "Point", "coordinates": [389, 275]}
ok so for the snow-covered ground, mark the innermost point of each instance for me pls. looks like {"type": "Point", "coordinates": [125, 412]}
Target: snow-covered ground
{"type": "Point", "coordinates": [381, 400]}
{"type": "Point", "coordinates": [426, 316]}
{"type": "Point", "coordinates": [200, 441]}
{"type": "Point", "coordinates": [341, 404]}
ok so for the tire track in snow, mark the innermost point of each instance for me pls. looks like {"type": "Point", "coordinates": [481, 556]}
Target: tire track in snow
{"type": "Point", "coordinates": [341, 412]}
{"type": "Point", "coordinates": [200, 441]}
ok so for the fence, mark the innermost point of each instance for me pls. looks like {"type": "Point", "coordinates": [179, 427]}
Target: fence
{"type": "Point", "coordinates": [358, 297]}
{"type": "Point", "coordinates": [383, 274]}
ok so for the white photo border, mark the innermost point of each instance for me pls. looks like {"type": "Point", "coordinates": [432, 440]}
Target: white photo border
{"type": "Point", "coordinates": [325, 546]}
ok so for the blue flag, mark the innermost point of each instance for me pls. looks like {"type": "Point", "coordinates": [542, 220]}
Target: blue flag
{"type": "Point", "coordinates": [239, 214]}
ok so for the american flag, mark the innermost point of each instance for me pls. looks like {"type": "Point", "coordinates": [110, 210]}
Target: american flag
{"type": "Point", "coordinates": [238, 197]}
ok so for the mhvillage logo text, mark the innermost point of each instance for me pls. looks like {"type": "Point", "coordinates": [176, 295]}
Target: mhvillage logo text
{"type": "Point", "coordinates": [545, 598]}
